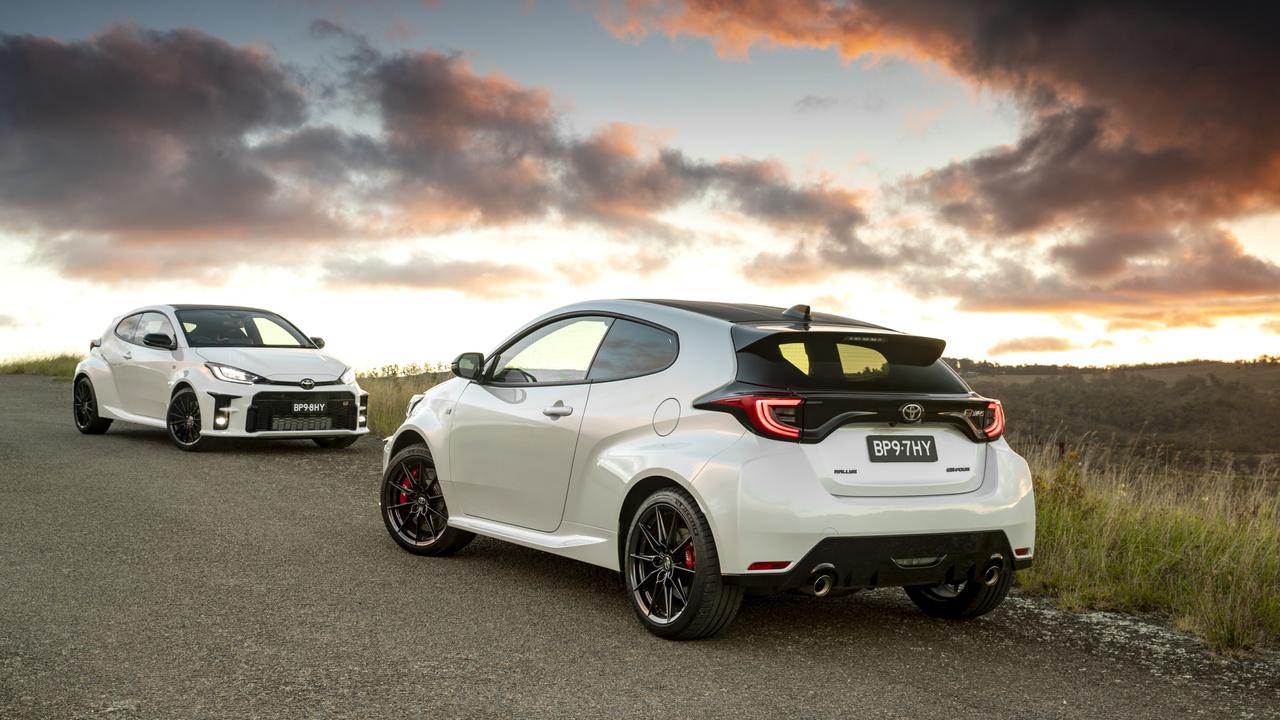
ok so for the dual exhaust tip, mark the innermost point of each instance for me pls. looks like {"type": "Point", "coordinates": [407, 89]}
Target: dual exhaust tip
{"type": "Point", "coordinates": [991, 573]}
{"type": "Point", "coordinates": [822, 580]}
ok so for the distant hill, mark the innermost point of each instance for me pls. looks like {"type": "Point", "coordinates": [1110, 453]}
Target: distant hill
{"type": "Point", "coordinates": [1195, 406]}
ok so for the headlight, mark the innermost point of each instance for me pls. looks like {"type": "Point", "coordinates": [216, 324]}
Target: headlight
{"type": "Point", "coordinates": [413, 403]}
{"type": "Point", "coordinates": [348, 376]}
{"type": "Point", "coordinates": [232, 374]}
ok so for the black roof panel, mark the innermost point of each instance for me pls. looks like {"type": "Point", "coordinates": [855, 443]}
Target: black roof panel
{"type": "Point", "coordinates": [749, 313]}
{"type": "Point", "coordinates": [220, 307]}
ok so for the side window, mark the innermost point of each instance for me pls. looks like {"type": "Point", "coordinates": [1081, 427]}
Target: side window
{"type": "Point", "coordinates": [632, 349]}
{"type": "Point", "coordinates": [559, 352]}
{"type": "Point", "coordinates": [127, 327]}
{"type": "Point", "coordinates": [153, 322]}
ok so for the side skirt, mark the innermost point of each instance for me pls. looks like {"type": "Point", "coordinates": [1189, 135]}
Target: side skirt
{"type": "Point", "coordinates": [579, 542]}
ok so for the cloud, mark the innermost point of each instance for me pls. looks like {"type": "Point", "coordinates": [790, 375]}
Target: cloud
{"type": "Point", "coordinates": [139, 154]}
{"type": "Point", "coordinates": [1272, 326]}
{"type": "Point", "coordinates": [136, 133]}
{"type": "Point", "coordinates": [1147, 127]}
{"type": "Point", "coordinates": [1031, 345]}
{"type": "Point", "coordinates": [8, 321]}
{"type": "Point", "coordinates": [426, 272]}
{"type": "Point", "coordinates": [813, 103]}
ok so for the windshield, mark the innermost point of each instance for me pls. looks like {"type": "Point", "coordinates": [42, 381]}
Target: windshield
{"type": "Point", "coordinates": [211, 327]}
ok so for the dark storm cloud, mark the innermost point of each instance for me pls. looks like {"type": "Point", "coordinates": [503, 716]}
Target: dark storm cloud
{"type": "Point", "coordinates": [180, 143]}
{"type": "Point", "coordinates": [133, 132]}
{"type": "Point", "coordinates": [1146, 123]}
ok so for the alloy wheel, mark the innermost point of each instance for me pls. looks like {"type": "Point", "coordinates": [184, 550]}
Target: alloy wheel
{"type": "Point", "coordinates": [83, 404]}
{"type": "Point", "coordinates": [661, 566]}
{"type": "Point", "coordinates": [184, 418]}
{"type": "Point", "coordinates": [414, 503]}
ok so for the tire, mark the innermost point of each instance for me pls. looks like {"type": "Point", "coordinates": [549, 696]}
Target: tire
{"type": "Point", "coordinates": [970, 599]}
{"type": "Point", "coordinates": [84, 409]}
{"type": "Point", "coordinates": [414, 512]}
{"type": "Point", "coordinates": [336, 443]}
{"type": "Point", "coordinates": [183, 422]}
{"type": "Point", "coordinates": [659, 569]}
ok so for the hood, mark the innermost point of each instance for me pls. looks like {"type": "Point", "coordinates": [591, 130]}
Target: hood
{"type": "Point", "coordinates": [286, 364]}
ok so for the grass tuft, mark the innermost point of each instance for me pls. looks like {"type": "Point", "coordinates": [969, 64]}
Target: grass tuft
{"type": "Point", "coordinates": [60, 366]}
{"type": "Point", "coordinates": [1116, 531]}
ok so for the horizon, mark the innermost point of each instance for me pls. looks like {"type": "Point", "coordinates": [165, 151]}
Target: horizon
{"type": "Point", "coordinates": [412, 180]}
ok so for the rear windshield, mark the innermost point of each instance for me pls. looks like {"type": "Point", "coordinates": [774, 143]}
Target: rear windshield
{"type": "Point", "coordinates": [830, 361]}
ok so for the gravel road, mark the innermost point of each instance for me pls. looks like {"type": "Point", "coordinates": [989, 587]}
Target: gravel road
{"type": "Point", "coordinates": [137, 581]}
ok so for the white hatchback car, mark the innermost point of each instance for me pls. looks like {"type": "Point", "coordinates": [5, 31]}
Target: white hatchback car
{"type": "Point", "coordinates": [709, 450]}
{"type": "Point", "coordinates": [231, 372]}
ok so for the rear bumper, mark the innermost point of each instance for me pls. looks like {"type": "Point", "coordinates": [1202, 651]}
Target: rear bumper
{"type": "Point", "coordinates": [766, 502]}
{"type": "Point", "coordinates": [890, 561]}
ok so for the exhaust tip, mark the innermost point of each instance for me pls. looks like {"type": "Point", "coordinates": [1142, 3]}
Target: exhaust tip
{"type": "Point", "coordinates": [991, 575]}
{"type": "Point", "coordinates": [822, 586]}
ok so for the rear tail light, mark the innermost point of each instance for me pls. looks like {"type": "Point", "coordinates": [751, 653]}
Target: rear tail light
{"type": "Point", "coordinates": [775, 416]}
{"type": "Point", "coordinates": [995, 420]}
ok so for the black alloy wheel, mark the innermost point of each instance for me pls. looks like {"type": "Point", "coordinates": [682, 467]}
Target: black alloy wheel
{"type": "Point", "coordinates": [413, 506]}
{"type": "Point", "coordinates": [663, 563]}
{"type": "Point", "coordinates": [183, 419]}
{"type": "Point", "coordinates": [672, 570]}
{"type": "Point", "coordinates": [964, 600]}
{"type": "Point", "coordinates": [84, 408]}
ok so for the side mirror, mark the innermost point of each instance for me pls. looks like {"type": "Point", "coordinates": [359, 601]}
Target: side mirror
{"type": "Point", "coordinates": [318, 342]}
{"type": "Point", "coordinates": [468, 365]}
{"type": "Point", "coordinates": [159, 340]}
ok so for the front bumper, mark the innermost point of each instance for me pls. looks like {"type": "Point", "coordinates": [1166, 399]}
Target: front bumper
{"type": "Point", "coordinates": [891, 561]}
{"type": "Point", "coordinates": [266, 411]}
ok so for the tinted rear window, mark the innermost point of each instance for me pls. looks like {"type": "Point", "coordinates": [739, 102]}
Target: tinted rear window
{"type": "Point", "coordinates": [821, 361]}
{"type": "Point", "coordinates": [633, 349]}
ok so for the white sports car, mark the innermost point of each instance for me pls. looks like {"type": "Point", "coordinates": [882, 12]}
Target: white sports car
{"type": "Point", "coordinates": [709, 450]}
{"type": "Point", "coordinates": [205, 371]}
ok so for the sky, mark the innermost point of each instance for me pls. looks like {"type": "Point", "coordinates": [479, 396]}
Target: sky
{"type": "Point", "coordinates": [1068, 182]}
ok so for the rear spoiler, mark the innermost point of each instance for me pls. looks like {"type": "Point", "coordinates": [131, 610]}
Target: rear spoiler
{"type": "Point", "coordinates": [895, 347]}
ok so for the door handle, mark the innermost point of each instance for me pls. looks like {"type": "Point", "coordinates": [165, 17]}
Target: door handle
{"type": "Point", "coordinates": [557, 410]}
{"type": "Point", "coordinates": [127, 356]}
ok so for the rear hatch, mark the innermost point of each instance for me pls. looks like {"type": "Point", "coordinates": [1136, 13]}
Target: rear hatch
{"type": "Point", "coordinates": [876, 413]}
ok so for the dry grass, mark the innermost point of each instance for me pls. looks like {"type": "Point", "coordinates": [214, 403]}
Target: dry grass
{"type": "Point", "coordinates": [389, 394]}
{"type": "Point", "coordinates": [1120, 532]}
{"type": "Point", "coordinates": [60, 366]}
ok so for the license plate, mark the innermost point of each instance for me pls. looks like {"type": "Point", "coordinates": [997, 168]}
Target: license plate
{"type": "Point", "coordinates": [308, 408]}
{"type": "Point", "coordinates": [902, 448]}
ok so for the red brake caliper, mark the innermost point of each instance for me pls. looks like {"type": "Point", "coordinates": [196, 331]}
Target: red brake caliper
{"type": "Point", "coordinates": [688, 556]}
{"type": "Point", "coordinates": [407, 485]}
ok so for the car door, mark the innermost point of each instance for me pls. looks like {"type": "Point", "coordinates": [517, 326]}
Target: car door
{"type": "Point", "coordinates": [515, 432]}
{"type": "Point", "coordinates": [148, 374]}
{"type": "Point", "coordinates": [117, 349]}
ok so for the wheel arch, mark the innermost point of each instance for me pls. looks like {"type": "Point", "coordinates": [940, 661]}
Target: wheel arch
{"type": "Point", "coordinates": [183, 384]}
{"type": "Point", "coordinates": [642, 489]}
{"type": "Point", "coordinates": [408, 437]}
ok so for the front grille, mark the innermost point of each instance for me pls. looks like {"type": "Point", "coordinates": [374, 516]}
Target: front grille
{"type": "Point", "coordinates": [275, 411]}
{"type": "Point", "coordinates": [302, 423]}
